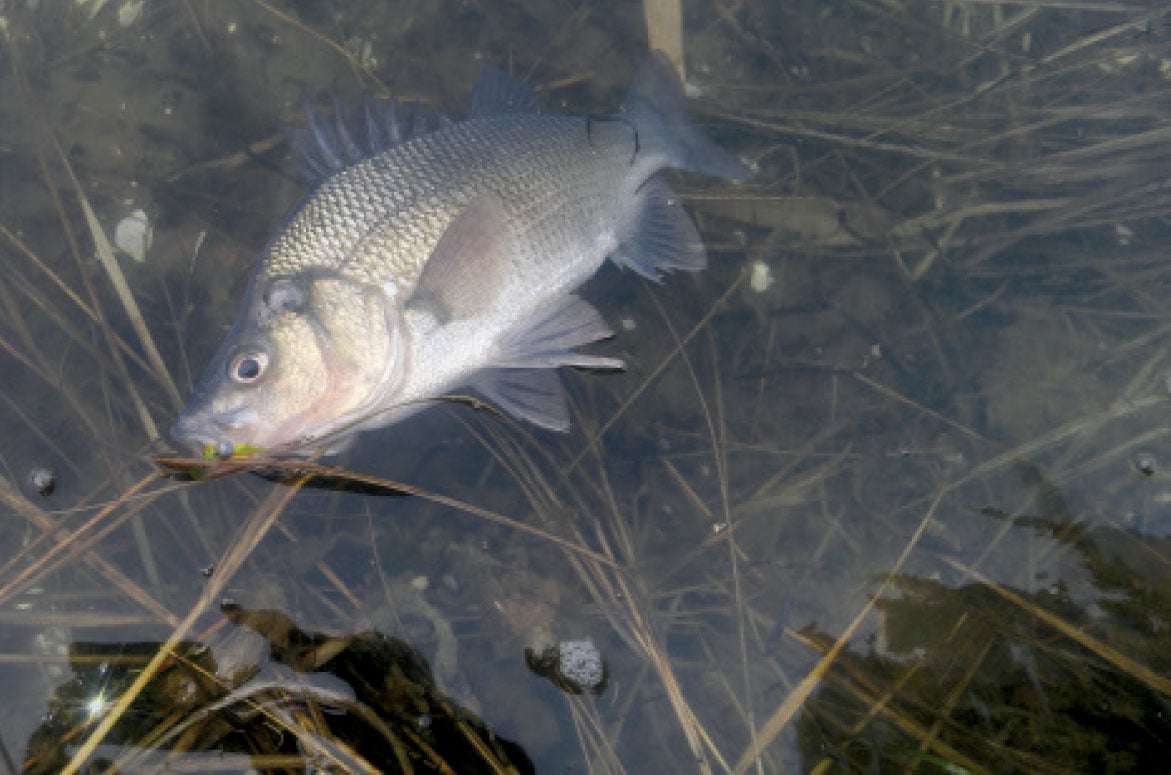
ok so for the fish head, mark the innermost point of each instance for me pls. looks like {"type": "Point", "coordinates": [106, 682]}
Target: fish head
{"type": "Point", "coordinates": [310, 358]}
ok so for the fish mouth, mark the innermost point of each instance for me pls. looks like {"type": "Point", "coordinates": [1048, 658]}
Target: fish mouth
{"type": "Point", "coordinates": [198, 430]}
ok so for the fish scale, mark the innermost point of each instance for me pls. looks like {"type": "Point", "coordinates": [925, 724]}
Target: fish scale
{"type": "Point", "coordinates": [379, 220]}
{"type": "Point", "coordinates": [447, 260]}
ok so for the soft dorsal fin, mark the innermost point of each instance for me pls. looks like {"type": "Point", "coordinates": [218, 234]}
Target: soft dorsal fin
{"type": "Point", "coordinates": [470, 261]}
{"type": "Point", "coordinates": [497, 93]}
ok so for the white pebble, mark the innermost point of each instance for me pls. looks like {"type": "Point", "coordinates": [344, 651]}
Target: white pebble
{"type": "Point", "coordinates": [133, 235]}
{"type": "Point", "coordinates": [761, 278]}
{"type": "Point", "coordinates": [581, 662]}
{"type": "Point", "coordinates": [130, 12]}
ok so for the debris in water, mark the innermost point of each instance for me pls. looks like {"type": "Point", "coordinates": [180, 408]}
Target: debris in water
{"type": "Point", "coordinates": [43, 480]}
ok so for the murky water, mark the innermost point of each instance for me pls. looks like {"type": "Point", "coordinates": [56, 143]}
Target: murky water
{"type": "Point", "coordinates": [884, 488]}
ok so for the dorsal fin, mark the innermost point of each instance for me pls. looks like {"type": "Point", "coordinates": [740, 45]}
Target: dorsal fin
{"type": "Point", "coordinates": [330, 142]}
{"type": "Point", "coordinates": [497, 93]}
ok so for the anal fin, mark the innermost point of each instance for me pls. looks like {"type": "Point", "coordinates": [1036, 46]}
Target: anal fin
{"type": "Point", "coordinates": [660, 236]}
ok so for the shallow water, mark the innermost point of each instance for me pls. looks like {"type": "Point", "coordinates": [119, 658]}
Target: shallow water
{"type": "Point", "coordinates": [926, 369]}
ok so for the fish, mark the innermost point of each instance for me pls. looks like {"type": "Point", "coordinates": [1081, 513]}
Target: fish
{"type": "Point", "coordinates": [435, 255]}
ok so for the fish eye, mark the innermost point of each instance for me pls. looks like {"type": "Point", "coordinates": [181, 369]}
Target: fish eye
{"type": "Point", "coordinates": [247, 367]}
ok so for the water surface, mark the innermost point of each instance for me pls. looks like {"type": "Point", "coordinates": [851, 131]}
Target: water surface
{"type": "Point", "coordinates": [884, 487]}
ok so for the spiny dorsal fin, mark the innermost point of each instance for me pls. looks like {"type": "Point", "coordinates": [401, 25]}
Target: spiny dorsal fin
{"type": "Point", "coordinates": [497, 93]}
{"type": "Point", "coordinates": [330, 142]}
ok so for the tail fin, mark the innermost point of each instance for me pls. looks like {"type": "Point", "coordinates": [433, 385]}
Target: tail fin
{"type": "Point", "coordinates": [656, 106]}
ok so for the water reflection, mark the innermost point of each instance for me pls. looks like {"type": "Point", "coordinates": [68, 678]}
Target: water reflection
{"type": "Point", "coordinates": [974, 676]}
{"type": "Point", "coordinates": [358, 703]}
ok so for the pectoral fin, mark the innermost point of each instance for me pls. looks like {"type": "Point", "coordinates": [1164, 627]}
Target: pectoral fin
{"type": "Point", "coordinates": [470, 262]}
{"type": "Point", "coordinates": [523, 380]}
{"type": "Point", "coordinates": [534, 395]}
{"type": "Point", "coordinates": [547, 339]}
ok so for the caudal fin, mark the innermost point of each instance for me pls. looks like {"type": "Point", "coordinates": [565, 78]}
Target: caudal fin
{"type": "Point", "coordinates": [658, 108]}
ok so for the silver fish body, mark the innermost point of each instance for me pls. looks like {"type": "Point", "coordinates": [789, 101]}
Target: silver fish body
{"type": "Point", "coordinates": [448, 260]}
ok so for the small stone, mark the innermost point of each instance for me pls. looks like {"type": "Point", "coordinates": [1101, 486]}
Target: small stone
{"type": "Point", "coordinates": [130, 12]}
{"type": "Point", "coordinates": [582, 665]}
{"type": "Point", "coordinates": [1146, 464]}
{"type": "Point", "coordinates": [43, 480]}
{"type": "Point", "coordinates": [760, 279]}
{"type": "Point", "coordinates": [133, 235]}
